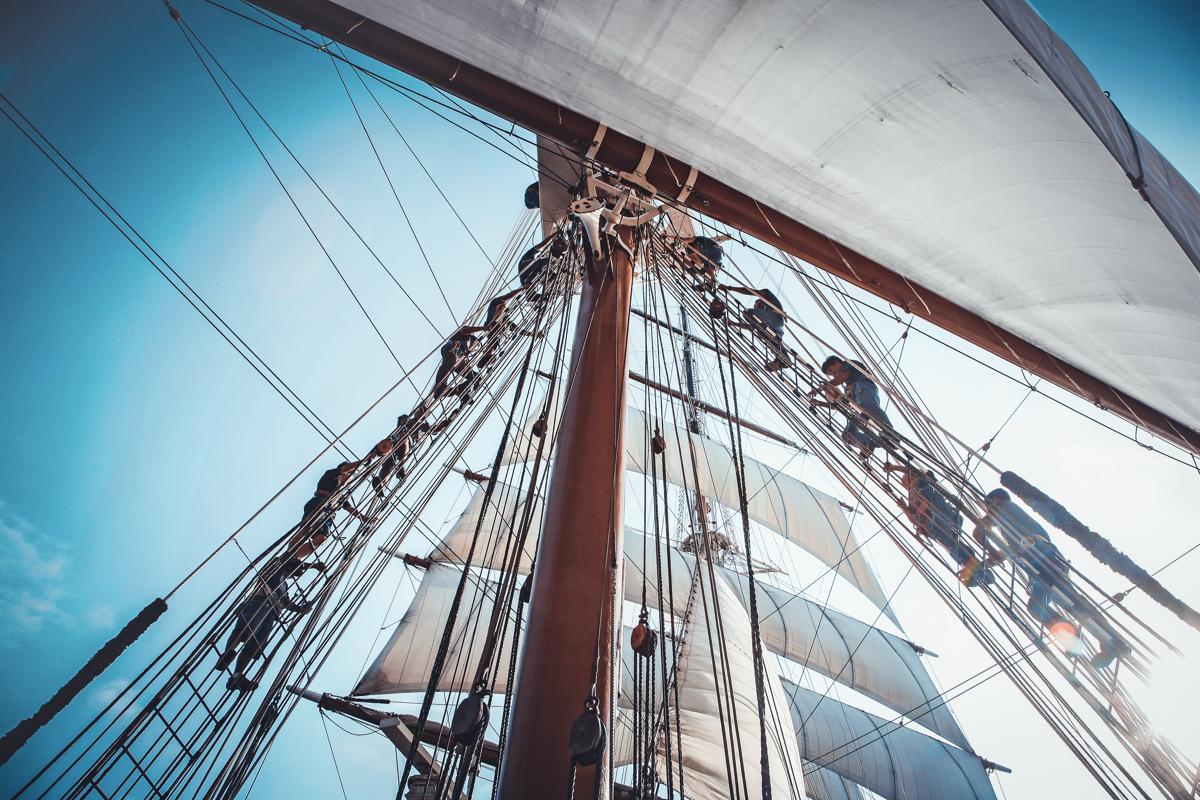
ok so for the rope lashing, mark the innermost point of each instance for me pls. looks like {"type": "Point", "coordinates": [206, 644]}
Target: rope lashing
{"type": "Point", "coordinates": [104, 657]}
{"type": "Point", "coordinates": [1104, 550]}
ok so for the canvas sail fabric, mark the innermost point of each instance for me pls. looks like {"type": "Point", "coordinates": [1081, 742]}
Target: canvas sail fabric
{"type": "Point", "coordinates": [960, 144]}
{"type": "Point", "coordinates": [892, 761]}
{"type": "Point", "coordinates": [878, 664]}
{"type": "Point", "coordinates": [796, 511]}
{"type": "Point", "coordinates": [881, 666]}
{"type": "Point", "coordinates": [821, 784]}
{"type": "Point", "coordinates": [406, 661]}
{"type": "Point", "coordinates": [707, 693]}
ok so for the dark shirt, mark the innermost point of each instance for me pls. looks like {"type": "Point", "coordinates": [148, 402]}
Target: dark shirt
{"type": "Point", "coordinates": [457, 345]}
{"type": "Point", "coordinates": [941, 515]}
{"type": "Point", "coordinates": [330, 480]}
{"type": "Point", "coordinates": [771, 315]}
{"type": "Point", "coordinates": [531, 266]}
{"type": "Point", "coordinates": [276, 572]}
{"type": "Point", "coordinates": [1015, 526]}
{"type": "Point", "coordinates": [863, 392]}
{"type": "Point", "coordinates": [496, 311]}
{"type": "Point", "coordinates": [709, 250]}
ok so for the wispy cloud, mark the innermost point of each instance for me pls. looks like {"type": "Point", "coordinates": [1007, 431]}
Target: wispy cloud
{"type": "Point", "coordinates": [106, 692]}
{"type": "Point", "coordinates": [34, 585]}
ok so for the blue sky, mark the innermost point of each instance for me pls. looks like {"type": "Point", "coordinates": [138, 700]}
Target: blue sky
{"type": "Point", "coordinates": [135, 438]}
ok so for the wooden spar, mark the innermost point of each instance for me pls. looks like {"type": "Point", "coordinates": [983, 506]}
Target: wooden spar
{"type": "Point", "coordinates": [708, 408]}
{"type": "Point", "coordinates": [717, 200]}
{"type": "Point", "coordinates": [571, 627]}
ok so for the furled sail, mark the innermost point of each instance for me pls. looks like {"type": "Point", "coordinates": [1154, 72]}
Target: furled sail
{"type": "Point", "coordinates": [890, 760]}
{"type": "Point", "coordinates": [956, 148]}
{"type": "Point", "coordinates": [801, 514]}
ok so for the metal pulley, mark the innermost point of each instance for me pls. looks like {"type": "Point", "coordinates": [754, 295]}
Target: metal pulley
{"type": "Point", "coordinates": [470, 719]}
{"type": "Point", "coordinates": [643, 640]}
{"type": "Point", "coordinates": [587, 738]}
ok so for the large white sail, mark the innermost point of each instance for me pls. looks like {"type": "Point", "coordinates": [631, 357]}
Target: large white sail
{"type": "Point", "coordinates": [796, 511]}
{"type": "Point", "coordinates": [878, 664]}
{"type": "Point", "coordinates": [718, 710]}
{"type": "Point", "coordinates": [961, 145]}
{"type": "Point", "coordinates": [406, 661]}
{"type": "Point", "coordinates": [883, 667]}
{"type": "Point", "coordinates": [892, 761]}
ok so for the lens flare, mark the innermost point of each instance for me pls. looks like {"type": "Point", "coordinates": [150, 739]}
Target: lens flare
{"type": "Point", "coordinates": [1067, 637]}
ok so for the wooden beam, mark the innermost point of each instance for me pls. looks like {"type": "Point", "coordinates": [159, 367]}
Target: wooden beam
{"type": "Point", "coordinates": [716, 412]}
{"type": "Point", "coordinates": [620, 152]}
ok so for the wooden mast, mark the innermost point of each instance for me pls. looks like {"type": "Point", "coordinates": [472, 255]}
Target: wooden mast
{"type": "Point", "coordinates": [569, 638]}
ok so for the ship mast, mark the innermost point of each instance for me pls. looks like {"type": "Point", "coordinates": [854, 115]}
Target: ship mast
{"type": "Point", "coordinates": [571, 629]}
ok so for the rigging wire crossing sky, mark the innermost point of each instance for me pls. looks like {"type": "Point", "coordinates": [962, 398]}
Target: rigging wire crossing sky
{"type": "Point", "coordinates": [137, 439]}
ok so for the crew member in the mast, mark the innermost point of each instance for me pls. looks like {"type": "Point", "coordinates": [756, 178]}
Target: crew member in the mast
{"type": "Point", "coordinates": [260, 612]}
{"type": "Point", "coordinates": [935, 517]}
{"type": "Point", "coordinates": [1052, 593]}
{"type": "Point", "coordinates": [532, 265]}
{"type": "Point", "coordinates": [456, 355]}
{"type": "Point", "coordinates": [860, 390]}
{"type": "Point", "coordinates": [402, 440]}
{"type": "Point", "coordinates": [316, 523]}
{"type": "Point", "coordinates": [702, 258]}
{"type": "Point", "coordinates": [767, 319]}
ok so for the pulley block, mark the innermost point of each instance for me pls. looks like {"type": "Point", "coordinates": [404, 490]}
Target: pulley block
{"type": "Point", "coordinates": [470, 720]}
{"type": "Point", "coordinates": [587, 738]}
{"type": "Point", "coordinates": [643, 640]}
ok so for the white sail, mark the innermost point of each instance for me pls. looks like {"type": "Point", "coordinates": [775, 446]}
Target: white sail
{"type": "Point", "coordinates": [821, 784]}
{"type": "Point", "coordinates": [405, 664]}
{"type": "Point", "coordinates": [718, 709]}
{"type": "Point", "coordinates": [796, 511]}
{"type": "Point", "coordinates": [890, 760]}
{"type": "Point", "coordinates": [883, 667]}
{"type": "Point", "coordinates": [961, 145]}
{"type": "Point", "coordinates": [406, 661]}
{"type": "Point", "coordinates": [878, 664]}
{"type": "Point", "coordinates": [793, 509]}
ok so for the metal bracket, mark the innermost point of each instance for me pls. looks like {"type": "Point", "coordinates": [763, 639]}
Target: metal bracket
{"type": "Point", "coordinates": [588, 211]}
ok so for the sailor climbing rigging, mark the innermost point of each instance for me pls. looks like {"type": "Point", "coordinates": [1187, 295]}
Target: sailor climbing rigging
{"type": "Point", "coordinates": [455, 353]}
{"type": "Point", "coordinates": [316, 523]}
{"type": "Point", "coordinates": [702, 258]}
{"type": "Point", "coordinates": [533, 262]}
{"type": "Point", "coordinates": [863, 393]}
{"type": "Point", "coordinates": [1052, 594]}
{"type": "Point", "coordinates": [260, 612]}
{"type": "Point", "coordinates": [935, 517]}
{"type": "Point", "coordinates": [766, 319]}
{"type": "Point", "coordinates": [401, 441]}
